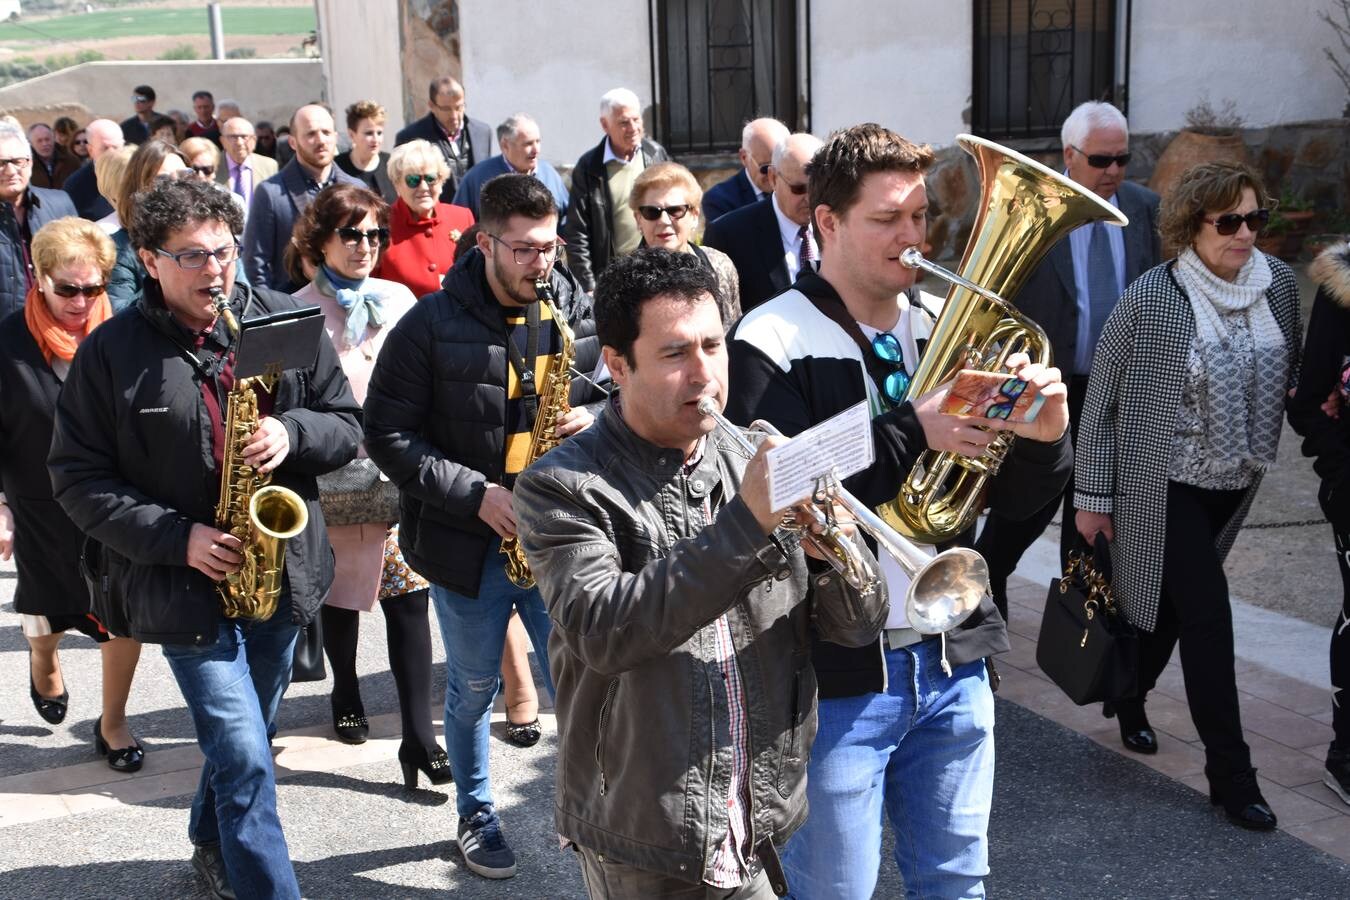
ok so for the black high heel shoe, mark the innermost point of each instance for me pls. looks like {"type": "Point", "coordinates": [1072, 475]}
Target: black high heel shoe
{"type": "Point", "coordinates": [52, 709]}
{"type": "Point", "coordinates": [1135, 731]}
{"type": "Point", "coordinates": [1240, 796]}
{"type": "Point", "coordinates": [122, 759]}
{"type": "Point", "coordinates": [432, 763]}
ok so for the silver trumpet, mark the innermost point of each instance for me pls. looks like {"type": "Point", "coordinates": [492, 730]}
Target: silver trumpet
{"type": "Point", "coordinates": [943, 590]}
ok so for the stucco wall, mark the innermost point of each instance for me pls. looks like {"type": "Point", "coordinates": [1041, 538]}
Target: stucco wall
{"type": "Point", "coordinates": [359, 41]}
{"type": "Point", "coordinates": [905, 64]}
{"type": "Point", "coordinates": [554, 61]}
{"type": "Point", "coordinates": [265, 88]}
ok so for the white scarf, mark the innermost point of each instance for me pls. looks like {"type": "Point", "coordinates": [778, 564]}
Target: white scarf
{"type": "Point", "coordinates": [1244, 409]}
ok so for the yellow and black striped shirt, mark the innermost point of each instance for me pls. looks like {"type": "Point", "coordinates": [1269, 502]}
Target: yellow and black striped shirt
{"type": "Point", "coordinates": [520, 425]}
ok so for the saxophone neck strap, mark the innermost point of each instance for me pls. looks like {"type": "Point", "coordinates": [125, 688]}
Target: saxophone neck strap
{"type": "Point", "coordinates": [524, 363]}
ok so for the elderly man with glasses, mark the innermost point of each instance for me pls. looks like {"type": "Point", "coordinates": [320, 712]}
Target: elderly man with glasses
{"type": "Point", "coordinates": [240, 168]}
{"type": "Point", "coordinates": [23, 210]}
{"type": "Point", "coordinates": [770, 241]}
{"type": "Point", "coordinates": [449, 417]}
{"type": "Point", "coordinates": [136, 464]}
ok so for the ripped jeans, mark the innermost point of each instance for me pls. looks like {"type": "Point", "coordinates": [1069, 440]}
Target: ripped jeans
{"type": "Point", "coordinates": [473, 630]}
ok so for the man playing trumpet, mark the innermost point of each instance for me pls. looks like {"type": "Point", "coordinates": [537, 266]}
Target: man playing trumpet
{"type": "Point", "coordinates": [682, 612]}
{"type": "Point", "coordinates": [898, 726]}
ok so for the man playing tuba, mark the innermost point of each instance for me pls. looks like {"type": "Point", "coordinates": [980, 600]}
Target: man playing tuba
{"type": "Point", "coordinates": [136, 463]}
{"type": "Point", "coordinates": [891, 716]}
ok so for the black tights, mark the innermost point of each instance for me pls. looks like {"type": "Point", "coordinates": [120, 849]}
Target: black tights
{"type": "Point", "coordinates": [409, 636]}
{"type": "Point", "coordinates": [1340, 650]}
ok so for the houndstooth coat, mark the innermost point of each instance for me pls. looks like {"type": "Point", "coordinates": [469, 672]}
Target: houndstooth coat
{"type": "Point", "coordinates": [1129, 421]}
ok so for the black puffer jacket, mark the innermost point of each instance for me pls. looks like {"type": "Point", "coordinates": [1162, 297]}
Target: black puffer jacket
{"type": "Point", "coordinates": [131, 463]}
{"type": "Point", "coordinates": [435, 414]}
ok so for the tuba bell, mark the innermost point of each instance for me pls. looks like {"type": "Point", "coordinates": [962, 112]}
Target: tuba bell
{"type": "Point", "coordinates": [1025, 208]}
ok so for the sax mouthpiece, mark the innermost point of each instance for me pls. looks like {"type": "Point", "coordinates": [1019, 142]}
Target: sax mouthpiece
{"type": "Point", "coordinates": [911, 258]}
{"type": "Point", "coordinates": [542, 289]}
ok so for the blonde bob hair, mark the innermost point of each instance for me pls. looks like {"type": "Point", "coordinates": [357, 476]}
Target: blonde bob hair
{"type": "Point", "coordinates": [416, 158]}
{"type": "Point", "coordinates": [110, 171]}
{"type": "Point", "coordinates": [662, 177]}
{"type": "Point", "coordinates": [72, 240]}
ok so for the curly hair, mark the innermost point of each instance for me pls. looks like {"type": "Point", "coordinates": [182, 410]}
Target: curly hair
{"type": "Point", "coordinates": [169, 205]}
{"type": "Point", "coordinates": [363, 109]}
{"type": "Point", "coordinates": [339, 206]}
{"type": "Point", "coordinates": [1206, 188]}
{"type": "Point", "coordinates": [837, 170]}
{"type": "Point", "coordinates": [630, 281]}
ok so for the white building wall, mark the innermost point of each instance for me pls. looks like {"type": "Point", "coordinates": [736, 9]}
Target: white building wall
{"type": "Point", "coordinates": [359, 41]}
{"type": "Point", "coordinates": [905, 64]}
{"type": "Point", "coordinates": [1267, 57]}
{"type": "Point", "coordinates": [554, 61]}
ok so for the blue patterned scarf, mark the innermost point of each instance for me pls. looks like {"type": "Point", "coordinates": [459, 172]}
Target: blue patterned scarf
{"type": "Point", "coordinates": [363, 307]}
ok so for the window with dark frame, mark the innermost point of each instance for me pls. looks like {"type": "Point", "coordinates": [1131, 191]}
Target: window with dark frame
{"type": "Point", "coordinates": [720, 64]}
{"type": "Point", "coordinates": [1035, 60]}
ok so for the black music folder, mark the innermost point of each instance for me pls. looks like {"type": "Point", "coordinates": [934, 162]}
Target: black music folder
{"type": "Point", "coordinates": [271, 344]}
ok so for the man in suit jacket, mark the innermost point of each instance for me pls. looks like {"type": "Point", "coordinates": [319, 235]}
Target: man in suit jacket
{"type": "Point", "coordinates": [240, 169]}
{"type": "Point", "coordinates": [520, 143]}
{"type": "Point", "coordinates": [278, 200]}
{"type": "Point", "coordinates": [1070, 295]}
{"type": "Point", "coordinates": [600, 225]}
{"type": "Point", "coordinates": [770, 242]}
{"type": "Point", "coordinates": [464, 142]}
{"type": "Point", "coordinates": [82, 186]}
{"type": "Point", "coordinates": [23, 210]}
{"type": "Point", "coordinates": [755, 179]}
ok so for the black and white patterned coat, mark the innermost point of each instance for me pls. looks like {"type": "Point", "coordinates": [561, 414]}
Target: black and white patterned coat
{"type": "Point", "coordinates": [1130, 417]}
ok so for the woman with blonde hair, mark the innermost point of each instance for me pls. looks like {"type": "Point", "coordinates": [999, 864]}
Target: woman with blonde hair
{"type": "Point", "coordinates": [202, 157]}
{"type": "Point", "coordinates": [423, 230]}
{"type": "Point", "coordinates": [72, 259]}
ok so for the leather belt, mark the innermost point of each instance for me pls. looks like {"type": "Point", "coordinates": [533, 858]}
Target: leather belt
{"type": "Point", "coordinates": [899, 638]}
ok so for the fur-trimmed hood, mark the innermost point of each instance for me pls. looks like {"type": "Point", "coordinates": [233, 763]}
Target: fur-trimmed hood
{"type": "Point", "coordinates": [1331, 271]}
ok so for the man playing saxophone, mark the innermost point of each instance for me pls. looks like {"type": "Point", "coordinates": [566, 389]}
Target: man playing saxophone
{"type": "Point", "coordinates": [897, 730]}
{"type": "Point", "coordinates": [450, 417]}
{"type": "Point", "coordinates": [136, 464]}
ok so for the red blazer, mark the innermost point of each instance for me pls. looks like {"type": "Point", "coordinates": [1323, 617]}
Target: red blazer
{"type": "Point", "coordinates": [421, 251]}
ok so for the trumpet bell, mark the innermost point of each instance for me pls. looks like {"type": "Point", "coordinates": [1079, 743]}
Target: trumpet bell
{"type": "Point", "coordinates": [947, 590]}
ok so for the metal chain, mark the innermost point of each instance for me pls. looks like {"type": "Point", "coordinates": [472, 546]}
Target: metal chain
{"type": "Point", "coordinates": [1298, 524]}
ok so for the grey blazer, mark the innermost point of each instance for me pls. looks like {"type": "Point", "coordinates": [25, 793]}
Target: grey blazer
{"type": "Point", "coordinates": [1130, 418]}
{"type": "Point", "coordinates": [271, 215]}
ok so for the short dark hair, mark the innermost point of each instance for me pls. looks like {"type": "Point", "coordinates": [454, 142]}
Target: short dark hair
{"type": "Point", "coordinates": [630, 281]}
{"type": "Point", "coordinates": [200, 94]}
{"type": "Point", "coordinates": [145, 91]}
{"type": "Point", "coordinates": [444, 84]}
{"type": "Point", "coordinates": [514, 194]}
{"type": "Point", "coordinates": [835, 174]}
{"type": "Point", "coordinates": [339, 206]}
{"type": "Point", "coordinates": [171, 204]}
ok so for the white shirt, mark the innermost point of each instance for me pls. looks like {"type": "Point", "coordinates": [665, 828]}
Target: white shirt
{"type": "Point", "coordinates": [759, 195]}
{"type": "Point", "coordinates": [610, 154]}
{"type": "Point", "coordinates": [788, 232]}
{"type": "Point", "coordinates": [1080, 239]}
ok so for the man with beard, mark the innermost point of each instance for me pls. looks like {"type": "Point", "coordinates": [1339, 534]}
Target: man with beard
{"type": "Point", "coordinates": [278, 200]}
{"type": "Point", "coordinates": [450, 414]}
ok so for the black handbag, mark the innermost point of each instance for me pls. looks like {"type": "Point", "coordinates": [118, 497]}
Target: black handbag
{"type": "Point", "coordinates": [307, 662]}
{"type": "Point", "coordinates": [1085, 645]}
{"type": "Point", "coordinates": [358, 494]}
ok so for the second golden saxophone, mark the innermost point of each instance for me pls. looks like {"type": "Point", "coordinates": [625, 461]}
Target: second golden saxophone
{"type": "Point", "coordinates": [553, 402]}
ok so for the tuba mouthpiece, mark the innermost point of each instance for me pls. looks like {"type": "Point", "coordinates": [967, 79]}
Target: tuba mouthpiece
{"type": "Point", "coordinates": [911, 258]}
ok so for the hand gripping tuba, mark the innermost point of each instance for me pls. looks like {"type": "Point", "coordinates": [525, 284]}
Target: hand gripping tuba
{"type": "Point", "coordinates": [1025, 208]}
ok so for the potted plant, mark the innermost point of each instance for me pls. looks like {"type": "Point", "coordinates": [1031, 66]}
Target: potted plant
{"type": "Point", "coordinates": [1210, 135]}
{"type": "Point", "coordinates": [1332, 228]}
{"type": "Point", "coordinates": [1272, 238]}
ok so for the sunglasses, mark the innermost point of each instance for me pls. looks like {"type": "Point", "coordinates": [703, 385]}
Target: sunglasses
{"type": "Point", "coordinates": [206, 171]}
{"type": "Point", "coordinates": [92, 291]}
{"type": "Point", "coordinates": [1228, 223]}
{"type": "Point", "coordinates": [887, 348]}
{"type": "Point", "coordinates": [1104, 160]}
{"type": "Point", "coordinates": [352, 236]}
{"type": "Point", "coordinates": [653, 213]}
{"type": "Point", "coordinates": [1008, 393]}
{"type": "Point", "coordinates": [413, 181]}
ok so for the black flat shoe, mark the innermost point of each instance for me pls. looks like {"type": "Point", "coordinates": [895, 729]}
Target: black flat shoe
{"type": "Point", "coordinates": [1240, 797]}
{"type": "Point", "coordinates": [52, 709]}
{"type": "Point", "coordinates": [1135, 732]}
{"type": "Point", "coordinates": [526, 734]}
{"type": "Point", "coordinates": [432, 763]}
{"type": "Point", "coordinates": [351, 725]}
{"type": "Point", "coordinates": [122, 759]}
{"type": "Point", "coordinates": [210, 865]}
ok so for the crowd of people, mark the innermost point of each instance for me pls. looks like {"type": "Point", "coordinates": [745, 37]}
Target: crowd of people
{"type": "Point", "coordinates": [735, 718]}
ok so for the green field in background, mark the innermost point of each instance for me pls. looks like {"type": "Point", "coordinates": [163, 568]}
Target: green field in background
{"type": "Point", "coordinates": [237, 20]}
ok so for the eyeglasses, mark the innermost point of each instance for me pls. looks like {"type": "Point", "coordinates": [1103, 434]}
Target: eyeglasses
{"type": "Point", "coordinates": [204, 171]}
{"type": "Point", "coordinates": [82, 140]}
{"type": "Point", "coordinates": [796, 189]}
{"type": "Point", "coordinates": [1104, 160]}
{"type": "Point", "coordinates": [236, 137]}
{"type": "Point", "coordinates": [526, 256]}
{"type": "Point", "coordinates": [92, 291]}
{"type": "Point", "coordinates": [1008, 394]}
{"type": "Point", "coordinates": [18, 162]}
{"type": "Point", "coordinates": [654, 213]}
{"type": "Point", "coordinates": [351, 237]}
{"type": "Point", "coordinates": [413, 181]}
{"type": "Point", "coordinates": [1228, 223]}
{"type": "Point", "coordinates": [195, 259]}
{"type": "Point", "coordinates": [887, 348]}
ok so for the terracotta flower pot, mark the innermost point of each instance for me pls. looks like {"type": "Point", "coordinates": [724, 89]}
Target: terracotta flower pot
{"type": "Point", "coordinates": [1190, 148]}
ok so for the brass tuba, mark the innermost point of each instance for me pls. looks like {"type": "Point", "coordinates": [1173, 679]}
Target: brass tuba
{"type": "Point", "coordinates": [262, 516]}
{"type": "Point", "coordinates": [1025, 208]}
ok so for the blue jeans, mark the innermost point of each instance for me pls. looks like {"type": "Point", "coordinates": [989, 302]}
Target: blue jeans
{"type": "Point", "coordinates": [233, 688]}
{"type": "Point", "coordinates": [473, 631]}
{"type": "Point", "coordinates": [924, 749]}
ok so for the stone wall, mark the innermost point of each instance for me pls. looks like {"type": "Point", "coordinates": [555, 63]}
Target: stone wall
{"type": "Point", "coordinates": [430, 48]}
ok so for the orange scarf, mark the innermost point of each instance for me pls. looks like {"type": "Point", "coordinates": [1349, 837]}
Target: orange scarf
{"type": "Point", "coordinates": [52, 339]}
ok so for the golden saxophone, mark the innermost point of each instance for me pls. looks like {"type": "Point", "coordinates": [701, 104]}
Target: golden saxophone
{"type": "Point", "coordinates": [262, 516]}
{"type": "Point", "coordinates": [556, 386]}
